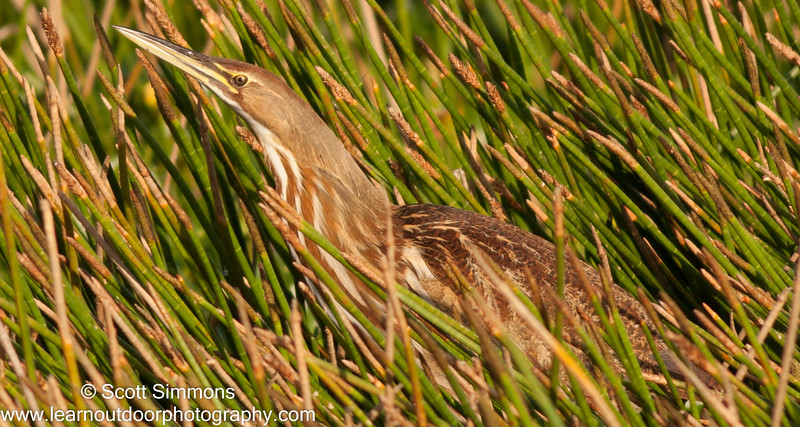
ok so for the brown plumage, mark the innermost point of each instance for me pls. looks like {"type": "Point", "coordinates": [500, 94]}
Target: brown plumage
{"type": "Point", "coordinates": [316, 175]}
{"type": "Point", "coordinates": [447, 237]}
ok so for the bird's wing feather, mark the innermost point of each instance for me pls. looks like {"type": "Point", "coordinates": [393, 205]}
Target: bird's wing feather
{"type": "Point", "coordinates": [444, 236]}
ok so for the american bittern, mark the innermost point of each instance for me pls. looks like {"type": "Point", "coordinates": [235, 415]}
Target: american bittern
{"type": "Point", "coordinates": [315, 173]}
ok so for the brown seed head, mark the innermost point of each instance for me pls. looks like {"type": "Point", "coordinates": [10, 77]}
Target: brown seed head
{"type": "Point", "coordinates": [53, 39]}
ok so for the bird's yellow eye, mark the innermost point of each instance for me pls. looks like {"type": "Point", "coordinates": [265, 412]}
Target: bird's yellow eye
{"type": "Point", "coordinates": [239, 80]}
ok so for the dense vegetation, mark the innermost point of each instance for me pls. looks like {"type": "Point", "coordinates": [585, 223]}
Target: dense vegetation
{"type": "Point", "coordinates": [656, 140]}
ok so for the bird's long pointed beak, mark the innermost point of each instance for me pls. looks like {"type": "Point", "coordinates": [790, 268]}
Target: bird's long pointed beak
{"type": "Point", "coordinates": [200, 66]}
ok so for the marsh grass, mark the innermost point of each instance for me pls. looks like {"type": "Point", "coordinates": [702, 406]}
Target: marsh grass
{"type": "Point", "coordinates": [143, 244]}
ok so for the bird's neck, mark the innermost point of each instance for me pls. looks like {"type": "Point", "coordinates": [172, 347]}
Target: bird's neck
{"type": "Point", "coordinates": [318, 177]}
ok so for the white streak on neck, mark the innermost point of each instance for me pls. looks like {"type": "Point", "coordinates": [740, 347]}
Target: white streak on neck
{"type": "Point", "coordinates": [317, 212]}
{"type": "Point", "coordinates": [278, 156]}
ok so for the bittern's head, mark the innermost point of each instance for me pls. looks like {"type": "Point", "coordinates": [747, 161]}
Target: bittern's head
{"type": "Point", "coordinates": [298, 144]}
{"type": "Point", "coordinates": [255, 94]}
